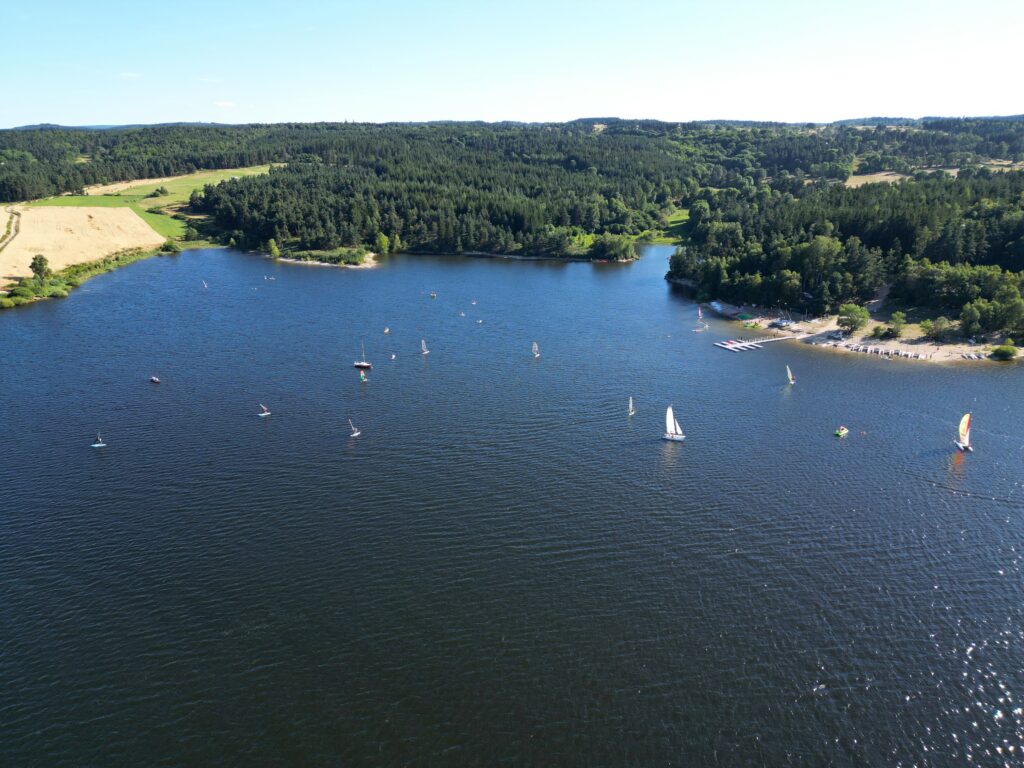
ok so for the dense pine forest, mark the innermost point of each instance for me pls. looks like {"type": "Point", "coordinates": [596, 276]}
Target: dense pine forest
{"type": "Point", "coordinates": [771, 221]}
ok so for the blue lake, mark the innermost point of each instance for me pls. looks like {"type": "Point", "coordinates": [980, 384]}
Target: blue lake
{"type": "Point", "coordinates": [504, 568]}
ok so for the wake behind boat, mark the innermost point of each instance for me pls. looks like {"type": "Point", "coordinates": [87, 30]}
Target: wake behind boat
{"type": "Point", "coordinates": [673, 431]}
{"type": "Point", "coordinates": [964, 443]}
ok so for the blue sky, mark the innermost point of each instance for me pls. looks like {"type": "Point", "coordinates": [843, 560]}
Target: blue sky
{"type": "Point", "coordinates": [116, 62]}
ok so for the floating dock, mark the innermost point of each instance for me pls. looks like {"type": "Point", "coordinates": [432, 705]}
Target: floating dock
{"type": "Point", "coordinates": [744, 345]}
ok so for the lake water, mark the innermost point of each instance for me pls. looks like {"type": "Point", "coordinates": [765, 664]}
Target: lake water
{"type": "Point", "coordinates": [504, 569]}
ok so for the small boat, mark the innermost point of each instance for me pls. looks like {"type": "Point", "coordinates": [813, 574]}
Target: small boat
{"type": "Point", "coordinates": [536, 351]}
{"type": "Point", "coordinates": [790, 376]}
{"type": "Point", "coordinates": [154, 379]}
{"type": "Point", "coordinates": [264, 411]}
{"type": "Point", "coordinates": [423, 347]}
{"type": "Point", "coordinates": [673, 431]}
{"type": "Point", "coordinates": [842, 431]}
{"type": "Point", "coordinates": [479, 322]}
{"type": "Point", "coordinates": [386, 330]}
{"type": "Point", "coordinates": [632, 410]}
{"type": "Point", "coordinates": [355, 432]}
{"type": "Point", "coordinates": [964, 443]}
{"type": "Point", "coordinates": [362, 362]}
{"type": "Point", "coordinates": [205, 285]}
{"type": "Point", "coordinates": [362, 377]}
{"type": "Point", "coordinates": [392, 355]}
{"type": "Point", "coordinates": [433, 294]}
{"type": "Point", "coordinates": [99, 442]}
{"type": "Point", "coordinates": [473, 302]}
{"type": "Point", "coordinates": [462, 314]}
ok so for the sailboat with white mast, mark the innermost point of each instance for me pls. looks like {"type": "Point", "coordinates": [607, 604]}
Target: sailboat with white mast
{"type": "Point", "coordinates": [362, 362]}
{"type": "Point", "coordinates": [964, 443]}
{"type": "Point", "coordinates": [632, 410]}
{"type": "Point", "coordinates": [99, 442]}
{"type": "Point", "coordinates": [790, 376]}
{"type": "Point", "coordinates": [423, 347]}
{"type": "Point", "coordinates": [355, 432]}
{"type": "Point", "coordinates": [536, 351]}
{"type": "Point", "coordinates": [673, 431]}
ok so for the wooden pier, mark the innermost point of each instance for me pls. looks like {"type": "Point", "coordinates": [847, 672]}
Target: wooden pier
{"type": "Point", "coordinates": [744, 345]}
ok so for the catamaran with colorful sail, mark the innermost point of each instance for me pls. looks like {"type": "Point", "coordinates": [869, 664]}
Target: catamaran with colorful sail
{"type": "Point", "coordinates": [673, 431]}
{"type": "Point", "coordinates": [790, 376]}
{"type": "Point", "coordinates": [964, 443]}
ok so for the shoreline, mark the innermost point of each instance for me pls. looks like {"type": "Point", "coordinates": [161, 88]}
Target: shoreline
{"type": "Point", "coordinates": [369, 262]}
{"type": "Point", "coordinates": [860, 342]}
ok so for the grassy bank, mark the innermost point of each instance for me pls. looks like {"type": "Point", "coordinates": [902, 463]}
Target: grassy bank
{"type": "Point", "coordinates": [59, 284]}
{"type": "Point", "coordinates": [674, 231]}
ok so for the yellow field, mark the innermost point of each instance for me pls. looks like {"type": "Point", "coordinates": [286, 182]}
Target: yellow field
{"type": "Point", "coordinates": [67, 236]}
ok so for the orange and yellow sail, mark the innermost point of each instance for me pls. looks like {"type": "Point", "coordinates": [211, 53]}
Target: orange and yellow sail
{"type": "Point", "coordinates": [965, 429]}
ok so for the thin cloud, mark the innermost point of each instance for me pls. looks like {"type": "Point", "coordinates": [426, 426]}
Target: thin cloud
{"type": "Point", "coordinates": [224, 104]}
{"type": "Point", "coordinates": [130, 75]}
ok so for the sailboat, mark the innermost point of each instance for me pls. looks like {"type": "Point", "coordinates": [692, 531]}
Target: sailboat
{"type": "Point", "coordinates": [964, 443]}
{"type": "Point", "coordinates": [362, 362]}
{"type": "Point", "coordinates": [264, 411]}
{"type": "Point", "coordinates": [700, 313]}
{"type": "Point", "coordinates": [790, 376]}
{"type": "Point", "coordinates": [386, 330]}
{"type": "Point", "coordinates": [355, 432]}
{"type": "Point", "coordinates": [536, 351]}
{"type": "Point", "coordinates": [632, 410]}
{"type": "Point", "coordinates": [423, 347]}
{"type": "Point", "coordinates": [362, 377]}
{"type": "Point", "coordinates": [673, 431]}
{"type": "Point", "coordinates": [99, 442]}
{"type": "Point", "coordinates": [205, 285]}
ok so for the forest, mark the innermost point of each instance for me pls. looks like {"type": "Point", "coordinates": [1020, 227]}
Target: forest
{"type": "Point", "coordinates": [770, 218]}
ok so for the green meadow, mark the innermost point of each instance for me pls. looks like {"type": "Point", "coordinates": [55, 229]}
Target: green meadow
{"type": "Point", "coordinates": [137, 198]}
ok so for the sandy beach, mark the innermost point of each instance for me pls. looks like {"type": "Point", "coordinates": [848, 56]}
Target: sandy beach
{"type": "Point", "coordinates": [817, 331]}
{"type": "Point", "coordinates": [369, 262]}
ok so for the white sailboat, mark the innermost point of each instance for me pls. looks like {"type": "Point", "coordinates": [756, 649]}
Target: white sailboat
{"type": "Point", "coordinates": [964, 443]}
{"type": "Point", "coordinates": [423, 347]}
{"type": "Point", "coordinates": [264, 411]}
{"type": "Point", "coordinates": [99, 442]}
{"type": "Point", "coordinates": [355, 432]}
{"type": "Point", "coordinates": [205, 285]}
{"type": "Point", "coordinates": [673, 431]}
{"type": "Point", "coordinates": [362, 362]}
{"type": "Point", "coordinates": [632, 410]}
{"type": "Point", "coordinates": [536, 351]}
{"type": "Point", "coordinates": [790, 376]}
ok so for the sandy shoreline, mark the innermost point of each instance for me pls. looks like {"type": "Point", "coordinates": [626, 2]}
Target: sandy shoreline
{"type": "Point", "coordinates": [860, 342]}
{"type": "Point", "coordinates": [369, 262]}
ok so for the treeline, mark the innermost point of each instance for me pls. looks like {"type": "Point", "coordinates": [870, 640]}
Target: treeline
{"type": "Point", "coordinates": [953, 244]}
{"type": "Point", "coordinates": [547, 190]}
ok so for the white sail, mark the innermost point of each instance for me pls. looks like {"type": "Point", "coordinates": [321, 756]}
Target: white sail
{"type": "Point", "coordinates": [423, 347]}
{"type": "Point", "coordinates": [631, 409]}
{"type": "Point", "coordinates": [536, 350]}
{"type": "Point", "coordinates": [679, 430]}
{"type": "Point", "coordinates": [670, 422]}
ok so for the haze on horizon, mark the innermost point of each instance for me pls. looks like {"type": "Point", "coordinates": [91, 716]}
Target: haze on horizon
{"type": "Point", "coordinates": [401, 60]}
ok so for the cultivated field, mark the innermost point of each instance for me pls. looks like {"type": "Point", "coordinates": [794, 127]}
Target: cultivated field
{"type": "Point", "coordinates": [859, 180]}
{"type": "Point", "coordinates": [134, 195]}
{"type": "Point", "coordinates": [73, 235]}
